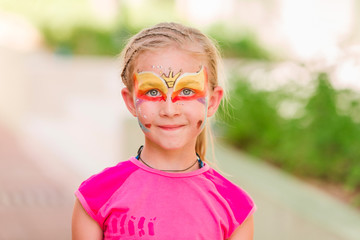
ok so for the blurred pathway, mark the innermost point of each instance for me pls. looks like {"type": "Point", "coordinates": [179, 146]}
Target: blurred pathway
{"type": "Point", "coordinates": [33, 204]}
{"type": "Point", "coordinates": [287, 207]}
{"type": "Point", "coordinates": [58, 125]}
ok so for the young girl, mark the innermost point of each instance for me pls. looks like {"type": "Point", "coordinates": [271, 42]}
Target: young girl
{"type": "Point", "coordinates": [167, 191]}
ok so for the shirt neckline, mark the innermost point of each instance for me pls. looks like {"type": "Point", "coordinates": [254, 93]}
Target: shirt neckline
{"type": "Point", "coordinates": [205, 168]}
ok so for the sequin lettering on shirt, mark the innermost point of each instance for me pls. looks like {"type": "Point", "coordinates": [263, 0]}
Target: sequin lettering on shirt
{"type": "Point", "coordinates": [122, 225]}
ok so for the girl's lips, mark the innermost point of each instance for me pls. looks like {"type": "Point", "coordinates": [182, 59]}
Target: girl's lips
{"type": "Point", "coordinates": [170, 127]}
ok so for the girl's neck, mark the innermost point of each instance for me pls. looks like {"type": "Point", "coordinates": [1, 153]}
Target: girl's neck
{"type": "Point", "coordinates": [172, 159]}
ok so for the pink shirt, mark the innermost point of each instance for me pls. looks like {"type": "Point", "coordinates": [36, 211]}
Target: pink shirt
{"type": "Point", "coordinates": [133, 201]}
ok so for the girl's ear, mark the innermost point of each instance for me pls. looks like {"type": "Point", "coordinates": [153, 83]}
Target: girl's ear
{"type": "Point", "coordinates": [214, 100]}
{"type": "Point", "coordinates": [129, 100]}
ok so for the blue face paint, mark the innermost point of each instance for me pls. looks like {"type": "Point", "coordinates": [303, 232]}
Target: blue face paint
{"type": "Point", "coordinates": [143, 127]}
{"type": "Point", "coordinates": [204, 101]}
{"type": "Point", "coordinates": [139, 101]}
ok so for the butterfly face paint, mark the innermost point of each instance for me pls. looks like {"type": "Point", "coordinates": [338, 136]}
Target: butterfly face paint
{"type": "Point", "coordinates": [188, 86]}
{"type": "Point", "coordinates": [181, 89]}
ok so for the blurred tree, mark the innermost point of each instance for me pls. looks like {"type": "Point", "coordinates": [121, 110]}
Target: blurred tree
{"type": "Point", "coordinates": [252, 122]}
{"type": "Point", "coordinates": [321, 143]}
{"type": "Point", "coordinates": [241, 43]}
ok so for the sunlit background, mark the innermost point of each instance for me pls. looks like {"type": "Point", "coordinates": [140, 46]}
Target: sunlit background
{"type": "Point", "coordinates": [289, 133]}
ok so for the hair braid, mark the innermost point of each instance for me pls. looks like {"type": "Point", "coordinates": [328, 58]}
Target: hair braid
{"type": "Point", "coordinates": [168, 28]}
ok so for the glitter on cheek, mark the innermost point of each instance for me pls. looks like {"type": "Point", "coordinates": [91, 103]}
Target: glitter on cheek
{"type": "Point", "coordinates": [138, 101]}
{"type": "Point", "coordinates": [144, 127]}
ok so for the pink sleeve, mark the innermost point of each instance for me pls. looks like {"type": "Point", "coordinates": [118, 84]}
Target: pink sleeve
{"type": "Point", "coordinates": [94, 192]}
{"type": "Point", "coordinates": [241, 204]}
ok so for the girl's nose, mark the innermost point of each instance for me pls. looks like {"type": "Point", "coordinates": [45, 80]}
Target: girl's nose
{"type": "Point", "coordinates": [169, 108]}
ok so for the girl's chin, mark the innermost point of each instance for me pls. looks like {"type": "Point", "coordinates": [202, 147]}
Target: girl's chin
{"type": "Point", "coordinates": [169, 144]}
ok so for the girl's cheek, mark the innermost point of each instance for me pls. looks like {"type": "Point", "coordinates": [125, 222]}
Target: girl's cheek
{"type": "Point", "coordinates": [200, 124]}
{"type": "Point", "coordinates": [202, 100]}
{"type": "Point", "coordinates": [197, 109]}
{"type": "Point", "coordinates": [146, 110]}
{"type": "Point", "coordinates": [203, 113]}
{"type": "Point", "coordinates": [142, 114]}
{"type": "Point", "coordinates": [138, 102]}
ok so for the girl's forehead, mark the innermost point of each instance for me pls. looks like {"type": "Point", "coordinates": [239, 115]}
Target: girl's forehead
{"type": "Point", "coordinates": [167, 60]}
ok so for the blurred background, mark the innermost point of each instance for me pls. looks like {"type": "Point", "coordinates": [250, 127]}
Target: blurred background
{"type": "Point", "coordinates": [289, 133]}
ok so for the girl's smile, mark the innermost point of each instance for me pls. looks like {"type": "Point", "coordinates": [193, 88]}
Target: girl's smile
{"type": "Point", "coordinates": [170, 127]}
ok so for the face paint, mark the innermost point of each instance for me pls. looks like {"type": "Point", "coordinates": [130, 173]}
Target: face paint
{"type": "Point", "coordinates": [143, 127]}
{"type": "Point", "coordinates": [138, 102]}
{"type": "Point", "coordinates": [149, 86]}
{"type": "Point", "coordinates": [205, 99]}
{"type": "Point", "coordinates": [202, 100]}
{"type": "Point", "coordinates": [188, 86]}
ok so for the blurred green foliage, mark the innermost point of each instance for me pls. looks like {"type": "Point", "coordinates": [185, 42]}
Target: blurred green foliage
{"type": "Point", "coordinates": [95, 40]}
{"type": "Point", "coordinates": [88, 40]}
{"type": "Point", "coordinates": [92, 40]}
{"type": "Point", "coordinates": [90, 37]}
{"type": "Point", "coordinates": [238, 43]}
{"type": "Point", "coordinates": [321, 143]}
{"type": "Point", "coordinates": [72, 27]}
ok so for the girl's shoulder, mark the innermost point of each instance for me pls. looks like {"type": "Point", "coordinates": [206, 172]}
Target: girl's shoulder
{"type": "Point", "coordinates": [94, 192]}
{"type": "Point", "coordinates": [118, 172]}
{"type": "Point", "coordinates": [240, 202]}
{"type": "Point", "coordinates": [222, 183]}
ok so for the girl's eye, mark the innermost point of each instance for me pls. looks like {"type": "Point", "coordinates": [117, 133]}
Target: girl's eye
{"type": "Point", "coordinates": [153, 93]}
{"type": "Point", "coordinates": [186, 92]}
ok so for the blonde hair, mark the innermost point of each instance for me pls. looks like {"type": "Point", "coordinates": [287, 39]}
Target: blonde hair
{"type": "Point", "coordinates": [185, 38]}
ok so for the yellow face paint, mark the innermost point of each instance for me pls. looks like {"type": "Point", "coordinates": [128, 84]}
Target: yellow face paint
{"type": "Point", "coordinates": [187, 86]}
{"type": "Point", "coordinates": [146, 81]}
{"type": "Point", "coordinates": [170, 79]}
{"type": "Point", "coordinates": [195, 82]}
